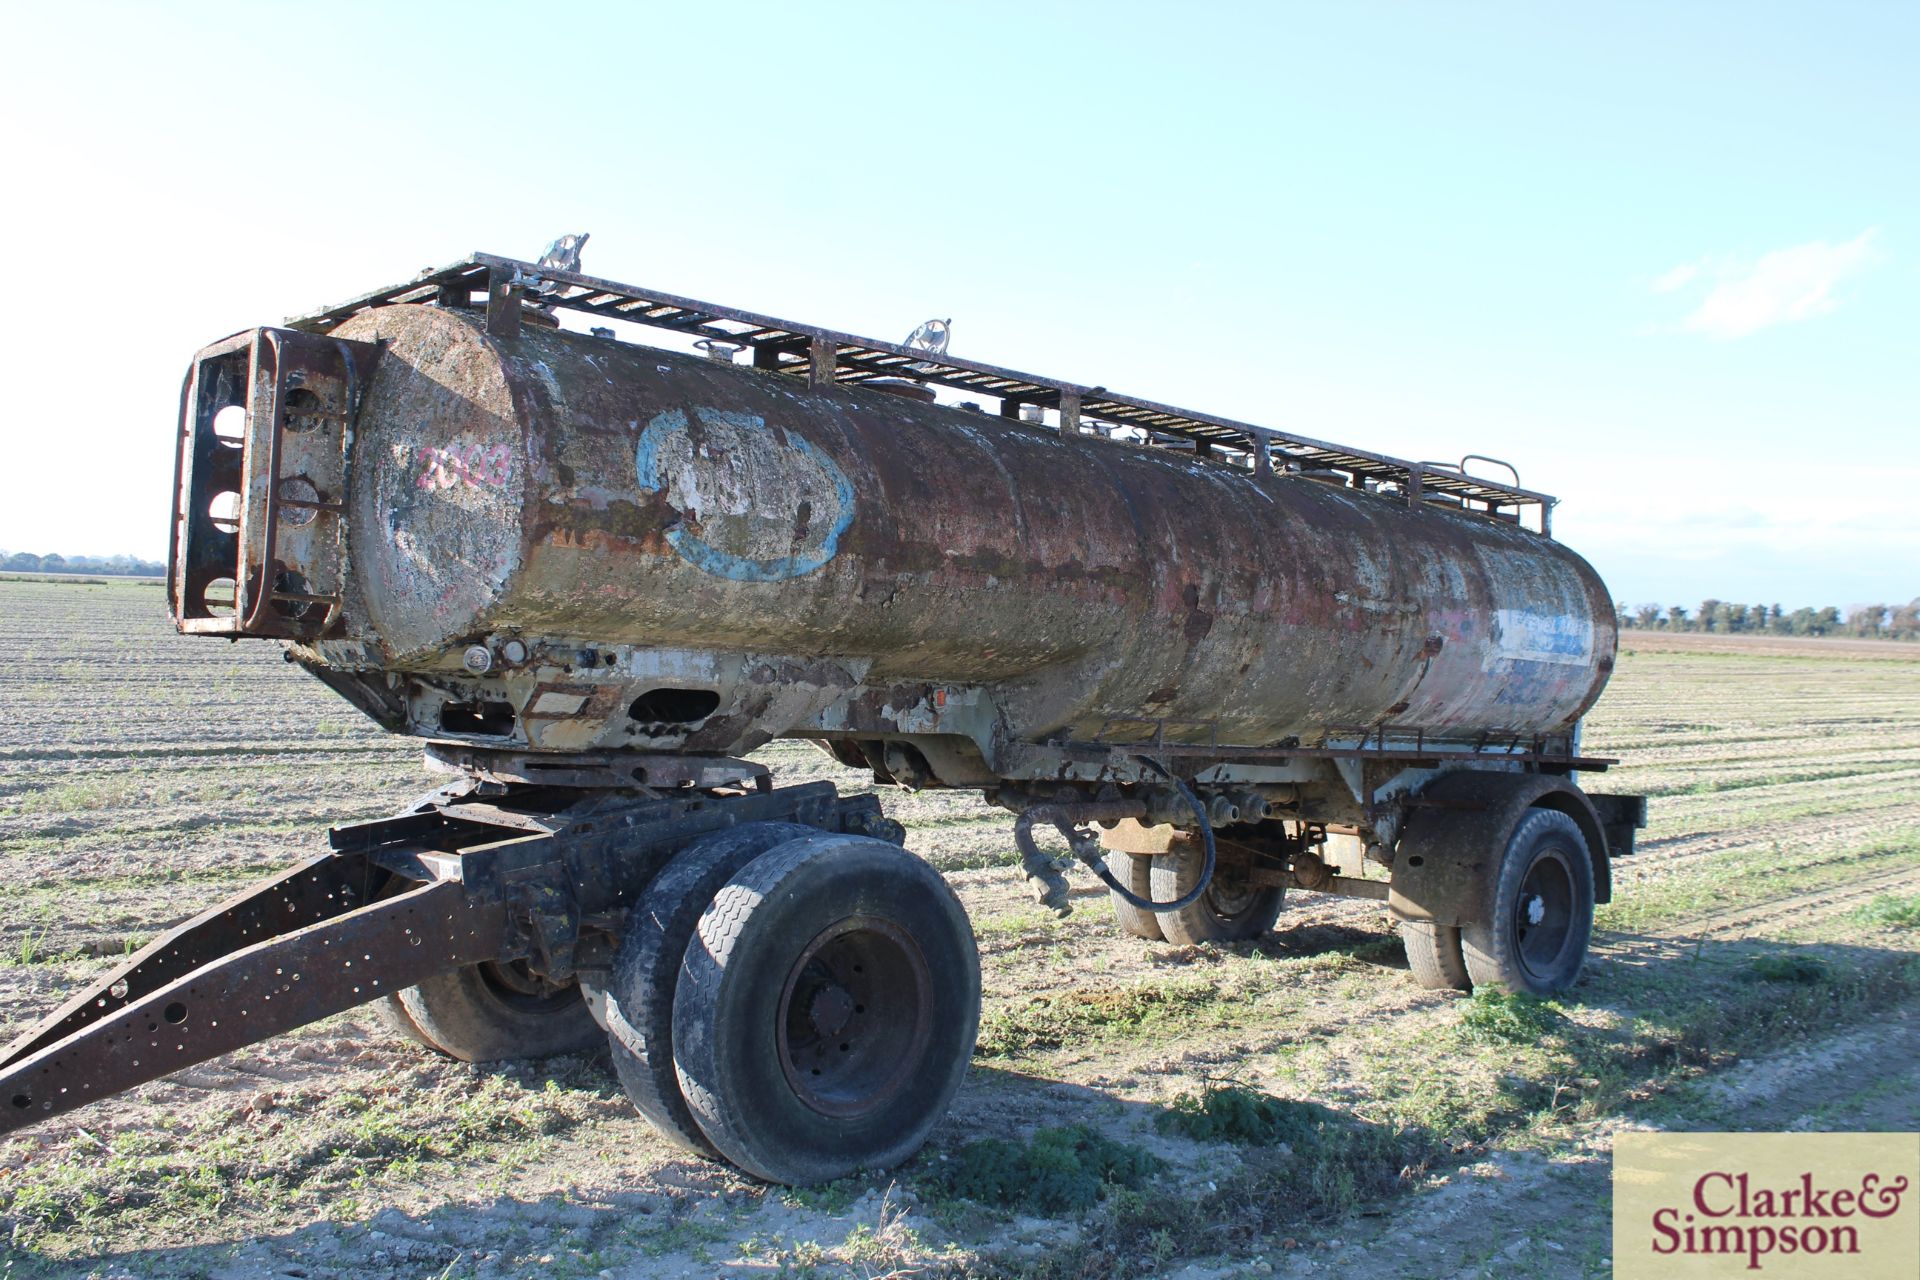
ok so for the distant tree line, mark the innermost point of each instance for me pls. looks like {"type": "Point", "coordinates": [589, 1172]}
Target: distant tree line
{"type": "Point", "coordinates": [114, 566]}
{"type": "Point", "coordinates": [1722, 617]}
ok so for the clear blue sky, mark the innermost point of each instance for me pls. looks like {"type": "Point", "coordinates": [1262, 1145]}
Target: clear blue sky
{"type": "Point", "coordinates": [1662, 257]}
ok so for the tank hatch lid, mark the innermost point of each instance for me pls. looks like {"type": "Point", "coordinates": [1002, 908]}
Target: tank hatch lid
{"type": "Point", "coordinates": [827, 355]}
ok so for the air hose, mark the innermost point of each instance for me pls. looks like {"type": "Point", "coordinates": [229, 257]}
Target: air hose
{"type": "Point", "coordinates": [1050, 887]}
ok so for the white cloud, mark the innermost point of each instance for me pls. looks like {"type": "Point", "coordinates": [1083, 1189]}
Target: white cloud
{"type": "Point", "coordinates": [1780, 287]}
{"type": "Point", "coordinates": [1678, 278]}
{"type": "Point", "coordinates": [1655, 531]}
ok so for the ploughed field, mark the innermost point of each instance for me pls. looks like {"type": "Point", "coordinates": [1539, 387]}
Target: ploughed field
{"type": "Point", "coordinates": [1295, 1105]}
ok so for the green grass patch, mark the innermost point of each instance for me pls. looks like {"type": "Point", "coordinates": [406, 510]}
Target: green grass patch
{"type": "Point", "coordinates": [337, 1149]}
{"type": "Point", "coordinates": [1748, 877]}
{"type": "Point", "coordinates": [1064, 1170]}
{"type": "Point", "coordinates": [1501, 1017]}
{"type": "Point", "coordinates": [1333, 1164]}
{"type": "Point", "coordinates": [1788, 966]}
{"type": "Point", "coordinates": [1237, 1114]}
{"type": "Point", "coordinates": [1748, 777]}
{"type": "Point", "coordinates": [83, 795]}
{"type": "Point", "coordinates": [1020, 920]}
{"type": "Point", "coordinates": [1891, 909]}
{"type": "Point", "coordinates": [1073, 1015]}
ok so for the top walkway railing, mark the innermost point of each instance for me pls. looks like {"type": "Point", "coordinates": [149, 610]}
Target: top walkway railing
{"type": "Point", "coordinates": [824, 356]}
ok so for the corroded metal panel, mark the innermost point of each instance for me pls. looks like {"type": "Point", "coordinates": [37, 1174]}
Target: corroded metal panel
{"type": "Point", "coordinates": [565, 543]}
{"type": "Point", "coordinates": [555, 485]}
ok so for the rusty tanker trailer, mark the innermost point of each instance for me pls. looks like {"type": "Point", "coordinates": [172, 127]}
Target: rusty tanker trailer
{"type": "Point", "coordinates": [596, 570]}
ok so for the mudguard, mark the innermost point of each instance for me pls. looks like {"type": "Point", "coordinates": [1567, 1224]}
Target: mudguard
{"type": "Point", "coordinates": [1449, 854]}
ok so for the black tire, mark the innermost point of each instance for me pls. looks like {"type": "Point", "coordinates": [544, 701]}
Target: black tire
{"type": "Point", "coordinates": [639, 995]}
{"type": "Point", "coordinates": [1223, 914]}
{"type": "Point", "coordinates": [1433, 953]}
{"type": "Point", "coordinates": [393, 1015]}
{"type": "Point", "coordinates": [827, 1009]}
{"type": "Point", "coordinates": [1542, 910]}
{"type": "Point", "coordinates": [1135, 872]}
{"type": "Point", "coordinates": [498, 1012]}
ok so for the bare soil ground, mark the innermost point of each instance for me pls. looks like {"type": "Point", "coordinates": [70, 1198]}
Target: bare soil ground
{"type": "Point", "coordinates": [1759, 968]}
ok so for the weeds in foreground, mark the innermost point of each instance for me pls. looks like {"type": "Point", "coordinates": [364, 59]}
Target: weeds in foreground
{"type": "Point", "coordinates": [1237, 1114]}
{"type": "Point", "coordinates": [1139, 1229]}
{"type": "Point", "coordinates": [30, 949]}
{"type": "Point", "coordinates": [1075, 1015]}
{"type": "Point", "coordinates": [1059, 1171]}
{"type": "Point", "coordinates": [345, 1143]}
{"type": "Point", "coordinates": [1783, 966]}
{"type": "Point", "coordinates": [1500, 1017]}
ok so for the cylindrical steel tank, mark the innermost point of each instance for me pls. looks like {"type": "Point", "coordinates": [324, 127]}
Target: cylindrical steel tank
{"type": "Point", "coordinates": [557, 484]}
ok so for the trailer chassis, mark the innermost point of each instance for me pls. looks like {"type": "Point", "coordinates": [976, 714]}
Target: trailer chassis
{"type": "Point", "coordinates": [480, 870]}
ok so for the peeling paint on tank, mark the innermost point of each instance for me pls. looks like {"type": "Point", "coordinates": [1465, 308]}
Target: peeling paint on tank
{"type": "Point", "coordinates": [921, 717]}
{"type": "Point", "coordinates": [717, 481]}
{"type": "Point", "coordinates": [1540, 612]}
{"type": "Point", "coordinates": [1052, 573]}
{"type": "Point", "coordinates": [1525, 636]}
{"type": "Point", "coordinates": [432, 509]}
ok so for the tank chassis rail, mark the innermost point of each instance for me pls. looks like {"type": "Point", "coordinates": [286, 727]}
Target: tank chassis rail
{"type": "Point", "coordinates": [477, 871]}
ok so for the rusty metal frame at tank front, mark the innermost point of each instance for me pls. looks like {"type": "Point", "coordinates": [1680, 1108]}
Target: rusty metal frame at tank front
{"type": "Point", "coordinates": [820, 356]}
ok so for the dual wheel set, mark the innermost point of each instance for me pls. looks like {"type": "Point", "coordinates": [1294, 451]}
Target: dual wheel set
{"type": "Point", "coordinates": [1226, 912]}
{"type": "Point", "coordinates": [804, 1004]}
{"type": "Point", "coordinates": [798, 1003]}
{"type": "Point", "coordinates": [1533, 941]}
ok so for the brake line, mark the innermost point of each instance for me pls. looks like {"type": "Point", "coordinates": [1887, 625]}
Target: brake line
{"type": "Point", "coordinates": [1050, 887]}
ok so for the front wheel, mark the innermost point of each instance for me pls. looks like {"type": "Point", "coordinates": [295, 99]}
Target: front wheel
{"type": "Point", "coordinates": [826, 1009]}
{"type": "Point", "coordinates": [639, 997]}
{"type": "Point", "coordinates": [1535, 941]}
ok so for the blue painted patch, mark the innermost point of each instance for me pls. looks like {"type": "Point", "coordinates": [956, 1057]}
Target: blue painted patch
{"type": "Point", "coordinates": [694, 549]}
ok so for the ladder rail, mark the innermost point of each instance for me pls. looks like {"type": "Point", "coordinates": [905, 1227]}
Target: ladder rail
{"type": "Point", "coordinates": [791, 347]}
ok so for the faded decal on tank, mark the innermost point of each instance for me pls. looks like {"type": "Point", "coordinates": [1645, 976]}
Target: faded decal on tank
{"type": "Point", "coordinates": [754, 503]}
{"type": "Point", "coordinates": [1525, 636]}
{"type": "Point", "coordinates": [1540, 610]}
{"type": "Point", "coordinates": [464, 462]}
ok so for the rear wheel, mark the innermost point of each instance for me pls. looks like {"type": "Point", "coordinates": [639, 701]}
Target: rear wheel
{"type": "Point", "coordinates": [826, 1009]}
{"type": "Point", "coordinates": [1542, 912]}
{"type": "Point", "coordinates": [1226, 912]}
{"type": "Point", "coordinates": [1135, 872]}
{"type": "Point", "coordinates": [492, 1012]}
{"type": "Point", "coordinates": [1433, 953]}
{"type": "Point", "coordinates": [639, 995]}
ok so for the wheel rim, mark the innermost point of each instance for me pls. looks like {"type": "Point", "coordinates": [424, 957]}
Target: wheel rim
{"type": "Point", "coordinates": [1543, 914]}
{"type": "Point", "coordinates": [854, 1016]}
{"type": "Point", "coordinates": [1230, 902]}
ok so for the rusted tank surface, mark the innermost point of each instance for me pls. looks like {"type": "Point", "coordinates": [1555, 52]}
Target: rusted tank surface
{"type": "Point", "coordinates": [595, 523]}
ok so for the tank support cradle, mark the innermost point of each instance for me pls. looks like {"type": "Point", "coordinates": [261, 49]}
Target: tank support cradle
{"type": "Point", "coordinates": [456, 880]}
